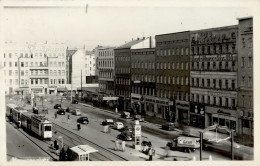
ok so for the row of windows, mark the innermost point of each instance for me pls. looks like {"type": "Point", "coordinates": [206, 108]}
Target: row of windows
{"type": "Point", "coordinates": [213, 100]}
{"type": "Point", "coordinates": [173, 80]}
{"type": "Point", "coordinates": [35, 55]}
{"type": "Point", "coordinates": [249, 82]}
{"type": "Point", "coordinates": [173, 65]}
{"type": "Point", "coordinates": [106, 86]}
{"type": "Point", "coordinates": [249, 62]}
{"type": "Point", "coordinates": [56, 72]}
{"type": "Point", "coordinates": [122, 70]}
{"type": "Point", "coordinates": [39, 81]}
{"type": "Point", "coordinates": [122, 58]}
{"type": "Point", "coordinates": [143, 65]}
{"type": "Point", "coordinates": [106, 74]}
{"type": "Point", "coordinates": [172, 51]}
{"type": "Point", "coordinates": [105, 63]}
{"type": "Point", "coordinates": [122, 81]}
{"type": "Point", "coordinates": [57, 64]}
{"type": "Point", "coordinates": [163, 93]}
{"type": "Point", "coordinates": [214, 49]}
{"type": "Point", "coordinates": [57, 81]}
{"type": "Point", "coordinates": [213, 83]}
{"type": "Point", "coordinates": [249, 43]}
{"type": "Point", "coordinates": [143, 91]}
{"type": "Point", "coordinates": [106, 53]}
{"type": "Point", "coordinates": [122, 93]}
{"type": "Point", "coordinates": [246, 101]}
{"type": "Point", "coordinates": [144, 78]}
{"type": "Point", "coordinates": [214, 66]}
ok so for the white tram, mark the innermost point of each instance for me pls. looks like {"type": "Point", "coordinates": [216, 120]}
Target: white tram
{"type": "Point", "coordinates": [37, 124]}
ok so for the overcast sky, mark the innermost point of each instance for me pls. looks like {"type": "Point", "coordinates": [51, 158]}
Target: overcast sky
{"type": "Point", "coordinates": [108, 25]}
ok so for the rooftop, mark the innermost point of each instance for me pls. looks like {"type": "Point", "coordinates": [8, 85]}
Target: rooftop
{"type": "Point", "coordinates": [130, 44]}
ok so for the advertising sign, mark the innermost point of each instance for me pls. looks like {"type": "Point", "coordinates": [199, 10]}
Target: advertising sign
{"type": "Point", "coordinates": [138, 136]}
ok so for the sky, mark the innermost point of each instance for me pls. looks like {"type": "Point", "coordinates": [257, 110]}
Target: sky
{"type": "Point", "coordinates": [112, 25]}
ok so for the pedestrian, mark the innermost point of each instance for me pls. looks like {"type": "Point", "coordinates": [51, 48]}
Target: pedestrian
{"type": "Point", "coordinates": [55, 115]}
{"type": "Point", "coordinates": [68, 117]}
{"type": "Point", "coordinates": [123, 146]}
{"type": "Point", "coordinates": [167, 148]}
{"type": "Point", "coordinates": [116, 110]}
{"type": "Point", "coordinates": [150, 153]}
{"type": "Point", "coordinates": [116, 145]}
{"type": "Point", "coordinates": [108, 127]}
{"type": "Point", "coordinates": [55, 144]}
{"type": "Point", "coordinates": [78, 126]}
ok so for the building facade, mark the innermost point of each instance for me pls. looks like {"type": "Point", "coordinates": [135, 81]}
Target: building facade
{"type": "Point", "coordinates": [40, 68]}
{"type": "Point", "coordinates": [173, 76]}
{"type": "Point", "coordinates": [123, 72]}
{"type": "Point", "coordinates": [106, 71]}
{"type": "Point", "coordinates": [245, 76]}
{"type": "Point", "coordinates": [143, 76]}
{"type": "Point", "coordinates": [214, 77]}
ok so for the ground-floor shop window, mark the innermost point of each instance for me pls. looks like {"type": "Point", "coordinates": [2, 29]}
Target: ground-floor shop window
{"type": "Point", "coordinates": [232, 125]}
{"type": "Point", "coordinates": [245, 123]}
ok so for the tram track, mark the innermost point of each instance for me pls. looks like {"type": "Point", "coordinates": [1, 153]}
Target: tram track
{"type": "Point", "coordinates": [26, 134]}
{"type": "Point", "coordinates": [81, 140]}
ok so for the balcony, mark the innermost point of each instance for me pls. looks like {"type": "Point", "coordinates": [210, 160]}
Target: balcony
{"type": "Point", "coordinates": [39, 67]}
{"type": "Point", "coordinates": [39, 76]}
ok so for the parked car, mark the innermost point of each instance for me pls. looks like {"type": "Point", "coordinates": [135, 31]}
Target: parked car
{"type": "Point", "coordinates": [75, 101]}
{"type": "Point", "coordinates": [139, 117]}
{"type": "Point", "coordinates": [76, 112]}
{"type": "Point", "coordinates": [118, 125]}
{"type": "Point", "coordinates": [126, 115]}
{"type": "Point", "coordinates": [129, 129]}
{"type": "Point", "coordinates": [168, 126]}
{"type": "Point", "coordinates": [83, 120]}
{"type": "Point", "coordinates": [125, 137]}
{"type": "Point", "coordinates": [57, 106]}
{"type": "Point", "coordinates": [61, 111]}
{"type": "Point", "coordinates": [109, 122]}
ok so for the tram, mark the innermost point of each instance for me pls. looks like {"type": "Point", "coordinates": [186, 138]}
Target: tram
{"type": "Point", "coordinates": [14, 113]}
{"type": "Point", "coordinates": [9, 111]}
{"type": "Point", "coordinates": [37, 124]}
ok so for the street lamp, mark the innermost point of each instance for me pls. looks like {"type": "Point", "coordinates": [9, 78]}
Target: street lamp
{"type": "Point", "coordinates": [60, 137]}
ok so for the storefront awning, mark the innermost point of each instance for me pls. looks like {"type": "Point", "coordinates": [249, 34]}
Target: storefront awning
{"type": "Point", "coordinates": [110, 98]}
{"type": "Point", "coordinates": [21, 89]}
{"type": "Point", "coordinates": [62, 89]}
{"type": "Point", "coordinates": [36, 88]}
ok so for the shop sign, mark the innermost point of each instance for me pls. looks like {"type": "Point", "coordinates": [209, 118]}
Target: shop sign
{"type": "Point", "coordinates": [209, 37]}
{"type": "Point", "coordinates": [227, 57]}
{"type": "Point", "coordinates": [197, 109]}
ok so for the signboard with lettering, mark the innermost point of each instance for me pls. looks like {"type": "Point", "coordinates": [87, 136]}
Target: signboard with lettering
{"type": "Point", "coordinates": [138, 135]}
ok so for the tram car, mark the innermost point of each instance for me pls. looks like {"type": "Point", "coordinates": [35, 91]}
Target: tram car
{"type": "Point", "coordinates": [37, 124]}
{"type": "Point", "coordinates": [15, 115]}
{"type": "Point", "coordinates": [9, 111]}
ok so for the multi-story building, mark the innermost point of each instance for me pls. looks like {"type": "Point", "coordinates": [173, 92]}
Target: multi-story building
{"type": "Point", "coordinates": [106, 68]}
{"type": "Point", "coordinates": [122, 73]}
{"type": "Point", "coordinates": [214, 77]}
{"type": "Point", "coordinates": [40, 68]}
{"type": "Point", "coordinates": [245, 76]}
{"type": "Point", "coordinates": [143, 76]}
{"type": "Point", "coordinates": [172, 76]}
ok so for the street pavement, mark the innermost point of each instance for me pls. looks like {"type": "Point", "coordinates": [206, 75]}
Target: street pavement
{"type": "Point", "coordinates": [94, 132]}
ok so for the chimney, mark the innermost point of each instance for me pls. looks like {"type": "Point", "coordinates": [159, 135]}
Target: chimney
{"type": "Point", "coordinates": [150, 41]}
{"type": "Point", "coordinates": [138, 38]}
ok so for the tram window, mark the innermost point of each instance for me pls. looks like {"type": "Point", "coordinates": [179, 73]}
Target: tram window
{"type": "Point", "coordinates": [47, 128]}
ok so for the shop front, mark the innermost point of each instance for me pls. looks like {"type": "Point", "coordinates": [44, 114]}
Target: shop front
{"type": "Point", "coordinates": [137, 104]}
{"type": "Point", "coordinates": [246, 122]}
{"type": "Point", "coordinates": [182, 112]}
{"type": "Point", "coordinates": [39, 90]}
{"type": "Point", "coordinates": [21, 91]}
{"type": "Point", "coordinates": [222, 117]}
{"type": "Point", "coordinates": [159, 107]}
{"type": "Point", "coordinates": [197, 115]}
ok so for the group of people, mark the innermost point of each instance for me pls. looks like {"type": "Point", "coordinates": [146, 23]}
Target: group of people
{"type": "Point", "coordinates": [117, 145]}
{"type": "Point", "coordinates": [149, 150]}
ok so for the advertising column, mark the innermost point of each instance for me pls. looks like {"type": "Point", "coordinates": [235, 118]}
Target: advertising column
{"type": "Point", "coordinates": [138, 135]}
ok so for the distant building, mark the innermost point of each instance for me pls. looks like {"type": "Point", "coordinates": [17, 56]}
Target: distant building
{"type": "Point", "coordinates": [40, 68]}
{"type": "Point", "coordinates": [173, 76]}
{"type": "Point", "coordinates": [106, 66]}
{"type": "Point", "coordinates": [143, 76]}
{"type": "Point", "coordinates": [214, 77]}
{"type": "Point", "coordinates": [245, 76]}
{"type": "Point", "coordinates": [123, 72]}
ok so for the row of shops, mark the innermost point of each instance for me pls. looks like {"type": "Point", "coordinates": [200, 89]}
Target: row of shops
{"type": "Point", "coordinates": [193, 114]}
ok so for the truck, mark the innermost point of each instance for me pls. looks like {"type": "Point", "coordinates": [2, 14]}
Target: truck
{"type": "Point", "coordinates": [185, 144]}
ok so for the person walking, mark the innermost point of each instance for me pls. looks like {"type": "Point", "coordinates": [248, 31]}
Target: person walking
{"type": "Point", "coordinates": [123, 146]}
{"type": "Point", "coordinates": [78, 126]}
{"type": "Point", "coordinates": [150, 153]}
{"type": "Point", "coordinates": [55, 115]}
{"type": "Point", "coordinates": [116, 145]}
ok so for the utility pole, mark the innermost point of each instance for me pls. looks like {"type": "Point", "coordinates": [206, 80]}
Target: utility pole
{"type": "Point", "coordinates": [81, 86]}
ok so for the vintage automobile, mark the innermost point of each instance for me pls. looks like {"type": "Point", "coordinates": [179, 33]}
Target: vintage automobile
{"type": "Point", "coordinates": [75, 112]}
{"type": "Point", "coordinates": [118, 125]}
{"type": "Point", "coordinates": [109, 122]}
{"type": "Point", "coordinates": [168, 126]}
{"type": "Point", "coordinates": [139, 117]}
{"type": "Point", "coordinates": [185, 144]}
{"type": "Point", "coordinates": [57, 106]}
{"type": "Point", "coordinates": [61, 111]}
{"type": "Point", "coordinates": [125, 137]}
{"type": "Point", "coordinates": [83, 120]}
{"type": "Point", "coordinates": [126, 115]}
{"type": "Point", "coordinates": [75, 101]}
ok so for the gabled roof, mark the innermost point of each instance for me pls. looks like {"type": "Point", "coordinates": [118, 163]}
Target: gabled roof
{"type": "Point", "coordinates": [129, 44]}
